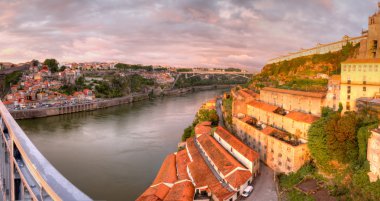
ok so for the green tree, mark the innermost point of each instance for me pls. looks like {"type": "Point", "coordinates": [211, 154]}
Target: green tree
{"type": "Point", "coordinates": [208, 115]}
{"type": "Point", "coordinates": [52, 65]}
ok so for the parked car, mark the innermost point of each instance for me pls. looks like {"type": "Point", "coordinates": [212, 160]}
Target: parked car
{"type": "Point", "coordinates": [247, 191]}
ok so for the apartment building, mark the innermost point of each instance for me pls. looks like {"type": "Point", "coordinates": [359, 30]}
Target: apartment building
{"type": "Point", "coordinates": [278, 149]}
{"type": "Point", "coordinates": [306, 102]}
{"type": "Point", "coordinates": [359, 78]}
{"type": "Point", "coordinates": [241, 98]}
{"type": "Point", "coordinates": [294, 122]}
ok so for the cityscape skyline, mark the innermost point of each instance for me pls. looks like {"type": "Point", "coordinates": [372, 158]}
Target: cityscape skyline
{"type": "Point", "coordinates": [196, 33]}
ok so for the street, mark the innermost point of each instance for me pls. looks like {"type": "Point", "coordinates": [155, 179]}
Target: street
{"type": "Point", "coordinates": [264, 188]}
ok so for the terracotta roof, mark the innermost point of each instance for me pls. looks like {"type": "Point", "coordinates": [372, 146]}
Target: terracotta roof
{"type": "Point", "coordinates": [225, 162]}
{"type": "Point", "coordinates": [203, 128]}
{"type": "Point", "coordinates": [157, 193]}
{"type": "Point", "coordinates": [183, 191]}
{"type": "Point", "coordinates": [246, 93]}
{"type": "Point", "coordinates": [167, 172]}
{"type": "Point", "coordinates": [302, 117]}
{"type": "Point", "coordinates": [361, 61]}
{"type": "Point", "coordinates": [182, 160]}
{"type": "Point", "coordinates": [202, 175]}
{"type": "Point", "coordinates": [268, 130]}
{"type": "Point", "coordinates": [263, 106]}
{"type": "Point", "coordinates": [237, 144]}
{"type": "Point", "coordinates": [238, 178]}
{"type": "Point", "coordinates": [295, 92]}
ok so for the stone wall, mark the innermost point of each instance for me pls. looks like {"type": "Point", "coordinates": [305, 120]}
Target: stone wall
{"type": "Point", "coordinates": [52, 111]}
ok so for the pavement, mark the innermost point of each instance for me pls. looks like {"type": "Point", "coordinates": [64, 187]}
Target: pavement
{"type": "Point", "coordinates": [264, 187]}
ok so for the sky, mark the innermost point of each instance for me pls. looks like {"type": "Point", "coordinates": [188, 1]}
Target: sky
{"type": "Point", "coordinates": [194, 33]}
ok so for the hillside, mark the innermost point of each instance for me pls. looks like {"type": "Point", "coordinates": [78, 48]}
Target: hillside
{"type": "Point", "coordinates": [302, 73]}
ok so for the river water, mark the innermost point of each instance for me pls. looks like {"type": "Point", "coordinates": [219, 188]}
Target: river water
{"type": "Point", "coordinates": [115, 153]}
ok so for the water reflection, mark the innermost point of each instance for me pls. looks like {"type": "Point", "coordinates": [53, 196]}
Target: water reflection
{"type": "Point", "coordinates": [114, 153]}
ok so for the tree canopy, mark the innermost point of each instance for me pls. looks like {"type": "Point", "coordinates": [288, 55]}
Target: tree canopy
{"type": "Point", "coordinates": [52, 65]}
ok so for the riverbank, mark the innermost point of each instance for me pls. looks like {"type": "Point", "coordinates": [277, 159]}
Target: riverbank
{"type": "Point", "coordinates": [53, 111]}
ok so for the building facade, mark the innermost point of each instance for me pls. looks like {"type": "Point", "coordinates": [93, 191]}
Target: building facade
{"type": "Point", "coordinates": [359, 78]}
{"type": "Point", "coordinates": [275, 148]}
{"type": "Point", "coordinates": [306, 102]}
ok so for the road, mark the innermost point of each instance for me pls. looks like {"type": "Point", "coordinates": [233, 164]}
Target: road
{"type": "Point", "coordinates": [264, 188]}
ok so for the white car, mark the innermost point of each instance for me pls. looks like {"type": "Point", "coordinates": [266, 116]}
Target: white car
{"type": "Point", "coordinates": [247, 191]}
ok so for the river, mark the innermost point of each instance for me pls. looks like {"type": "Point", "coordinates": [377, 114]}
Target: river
{"type": "Point", "coordinates": [115, 153]}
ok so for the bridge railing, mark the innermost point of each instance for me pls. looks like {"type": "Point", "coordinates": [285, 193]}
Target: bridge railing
{"type": "Point", "coordinates": [25, 174]}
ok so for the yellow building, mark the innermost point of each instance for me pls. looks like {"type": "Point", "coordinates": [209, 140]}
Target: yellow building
{"type": "Point", "coordinates": [294, 122]}
{"type": "Point", "coordinates": [306, 102]}
{"type": "Point", "coordinates": [276, 148]}
{"type": "Point", "coordinates": [359, 78]}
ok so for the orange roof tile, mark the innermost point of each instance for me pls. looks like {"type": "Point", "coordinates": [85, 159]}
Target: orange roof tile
{"type": "Point", "coordinates": [239, 146]}
{"type": "Point", "coordinates": [183, 191]}
{"type": "Point", "coordinates": [238, 178]}
{"type": "Point", "coordinates": [295, 92]}
{"type": "Point", "coordinates": [202, 175]}
{"type": "Point", "coordinates": [302, 117]}
{"type": "Point", "coordinates": [225, 162]}
{"type": "Point", "coordinates": [263, 106]}
{"type": "Point", "coordinates": [182, 160]}
{"type": "Point", "coordinates": [268, 130]}
{"type": "Point", "coordinates": [203, 128]}
{"type": "Point", "coordinates": [361, 61]}
{"type": "Point", "coordinates": [156, 193]}
{"type": "Point", "coordinates": [167, 172]}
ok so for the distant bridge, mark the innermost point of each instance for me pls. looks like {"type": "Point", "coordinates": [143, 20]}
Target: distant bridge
{"type": "Point", "coordinates": [197, 73]}
{"type": "Point", "coordinates": [25, 174]}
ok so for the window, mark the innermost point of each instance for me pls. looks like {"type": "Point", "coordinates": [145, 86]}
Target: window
{"type": "Point", "coordinates": [348, 97]}
{"type": "Point", "coordinates": [370, 68]}
{"type": "Point", "coordinates": [364, 88]}
{"type": "Point", "coordinates": [353, 68]}
{"type": "Point", "coordinates": [376, 68]}
{"type": "Point", "coordinates": [359, 68]}
{"type": "Point", "coordinates": [348, 107]}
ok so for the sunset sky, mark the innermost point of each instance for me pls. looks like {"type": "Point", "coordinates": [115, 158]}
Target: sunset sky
{"type": "Point", "coordinates": [231, 33]}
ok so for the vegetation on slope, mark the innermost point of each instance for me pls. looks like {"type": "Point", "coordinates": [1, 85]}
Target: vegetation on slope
{"type": "Point", "coordinates": [302, 73]}
{"type": "Point", "coordinates": [328, 63]}
{"type": "Point", "coordinates": [338, 148]}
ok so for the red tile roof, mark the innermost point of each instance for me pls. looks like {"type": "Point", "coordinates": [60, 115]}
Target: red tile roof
{"type": "Point", "coordinates": [263, 106]}
{"type": "Point", "coordinates": [156, 193]}
{"type": "Point", "coordinates": [302, 117]}
{"type": "Point", "coordinates": [203, 128]}
{"type": "Point", "coordinates": [295, 92]}
{"type": "Point", "coordinates": [182, 191]}
{"type": "Point", "coordinates": [225, 162]}
{"type": "Point", "coordinates": [238, 178]}
{"type": "Point", "coordinates": [182, 160]}
{"type": "Point", "coordinates": [167, 172]}
{"type": "Point", "coordinates": [239, 146]}
{"type": "Point", "coordinates": [221, 158]}
{"type": "Point", "coordinates": [202, 175]}
{"type": "Point", "coordinates": [361, 61]}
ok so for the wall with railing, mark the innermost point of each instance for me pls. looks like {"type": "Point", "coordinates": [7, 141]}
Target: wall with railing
{"type": "Point", "coordinates": [25, 174]}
